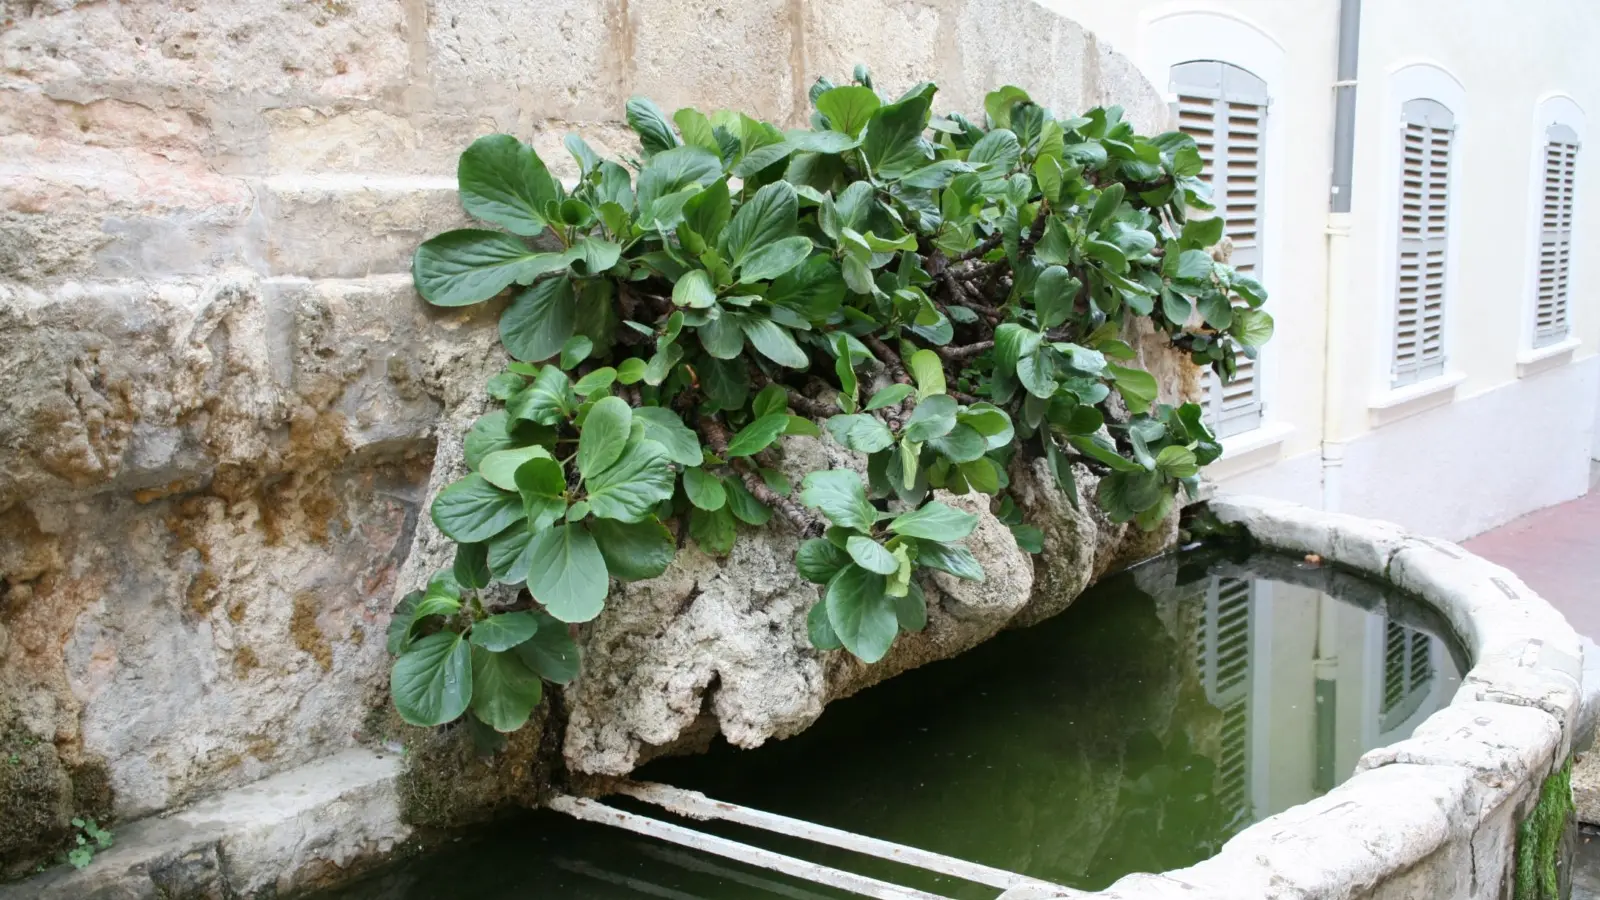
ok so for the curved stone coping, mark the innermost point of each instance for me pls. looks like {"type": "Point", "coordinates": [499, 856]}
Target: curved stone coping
{"type": "Point", "coordinates": [1435, 815]}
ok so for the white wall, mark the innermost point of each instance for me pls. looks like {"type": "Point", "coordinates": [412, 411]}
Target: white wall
{"type": "Point", "coordinates": [1504, 433]}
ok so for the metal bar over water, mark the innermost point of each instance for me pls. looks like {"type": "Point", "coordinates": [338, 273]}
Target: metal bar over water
{"type": "Point", "coordinates": [591, 811]}
{"type": "Point", "coordinates": [695, 805]}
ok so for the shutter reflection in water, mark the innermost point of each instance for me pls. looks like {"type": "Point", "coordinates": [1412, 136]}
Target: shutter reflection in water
{"type": "Point", "coordinates": [1167, 709]}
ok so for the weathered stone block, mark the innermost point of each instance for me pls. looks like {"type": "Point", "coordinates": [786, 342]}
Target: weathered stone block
{"type": "Point", "coordinates": [565, 59]}
{"type": "Point", "coordinates": [899, 42]}
{"type": "Point", "coordinates": [681, 53]}
{"type": "Point", "coordinates": [1508, 748]}
{"type": "Point", "coordinates": [1018, 42]}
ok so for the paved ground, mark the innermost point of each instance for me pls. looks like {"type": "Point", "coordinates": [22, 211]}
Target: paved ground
{"type": "Point", "coordinates": [1557, 552]}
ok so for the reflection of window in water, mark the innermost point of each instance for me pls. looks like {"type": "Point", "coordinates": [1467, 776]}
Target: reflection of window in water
{"type": "Point", "coordinates": [1222, 655]}
{"type": "Point", "coordinates": [1407, 674]}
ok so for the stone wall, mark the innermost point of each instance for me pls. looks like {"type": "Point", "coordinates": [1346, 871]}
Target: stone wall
{"type": "Point", "coordinates": [222, 399]}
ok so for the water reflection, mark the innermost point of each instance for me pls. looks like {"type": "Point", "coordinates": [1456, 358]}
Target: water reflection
{"type": "Point", "coordinates": [1164, 711]}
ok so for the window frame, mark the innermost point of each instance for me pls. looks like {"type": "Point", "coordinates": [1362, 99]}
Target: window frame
{"type": "Point", "coordinates": [1416, 81]}
{"type": "Point", "coordinates": [1553, 110]}
{"type": "Point", "coordinates": [1194, 36]}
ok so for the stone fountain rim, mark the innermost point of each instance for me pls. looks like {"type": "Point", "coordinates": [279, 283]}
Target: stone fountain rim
{"type": "Point", "coordinates": [1441, 808]}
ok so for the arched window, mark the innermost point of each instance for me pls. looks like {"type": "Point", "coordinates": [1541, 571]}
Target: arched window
{"type": "Point", "coordinates": [1224, 108]}
{"type": "Point", "coordinates": [1557, 184]}
{"type": "Point", "coordinates": [1427, 133]}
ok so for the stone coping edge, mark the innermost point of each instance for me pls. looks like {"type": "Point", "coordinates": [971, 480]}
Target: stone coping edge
{"type": "Point", "coordinates": [1435, 815]}
{"type": "Point", "coordinates": [322, 823]}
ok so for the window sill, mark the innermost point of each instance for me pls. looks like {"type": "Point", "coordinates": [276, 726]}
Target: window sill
{"type": "Point", "coordinates": [1250, 450]}
{"type": "Point", "coordinates": [1543, 359]}
{"type": "Point", "coordinates": [1400, 403]}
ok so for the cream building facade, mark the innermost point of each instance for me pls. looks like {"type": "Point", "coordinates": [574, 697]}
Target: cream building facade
{"type": "Point", "coordinates": [1435, 357]}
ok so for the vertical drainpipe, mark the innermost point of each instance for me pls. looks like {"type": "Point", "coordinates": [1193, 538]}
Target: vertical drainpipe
{"type": "Point", "coordinates": [1338, 240]}
{"type": "Point", "coordinates": [1325, 667]}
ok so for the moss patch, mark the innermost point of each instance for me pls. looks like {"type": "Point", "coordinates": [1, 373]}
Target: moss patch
{"type": "Point", "coordinates": [1540, 839]}
{"type": "Point", "coordinates": [39, 795]}
{"type": "Point", "coordinates": [450, 782]}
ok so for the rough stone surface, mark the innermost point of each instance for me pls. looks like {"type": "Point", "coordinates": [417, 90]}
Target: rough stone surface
{"type": "Point", "coordinates": [226, 407]}
{"type": "Point", "coordinates": [318, 824]}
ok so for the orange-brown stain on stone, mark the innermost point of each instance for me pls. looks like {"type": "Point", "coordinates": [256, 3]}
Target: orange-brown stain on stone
{"type": "Point", "coordinates": [306, 633]}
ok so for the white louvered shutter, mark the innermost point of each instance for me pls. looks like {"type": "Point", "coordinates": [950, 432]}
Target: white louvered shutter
{"type": "Point", "coordinates": [1222, 652]}
{"type": "Point", "coordinates": [1224, 108]}
{"type": "Point", "coordinates": [1426, 137]}
{"type": "Point", "coordinates": [1550, 324]}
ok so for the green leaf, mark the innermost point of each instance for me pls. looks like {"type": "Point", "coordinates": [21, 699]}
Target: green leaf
{"type": "Point", "coordinates": [714, 531]}
{"type": "Point", "coordinates": [1201, 233]}
{"type": "Point", "coordinates": [1054, 293]}
{"type": "Point", "coordinates": [503, 181]}
{"type": "Point", "coordinates": [604, 435]}
{"type": "Point", "coordinates": [982, 475]}
{"type": "Point", "coordinates": [487, 435]}
{"type": "Point", "coordinates": [998, 149]}
{"type": "Point", "coordinates": [933, 417]}
{"type": "Point", "coordinates": [566, 573]}
{"type": "Point", "coordinates": [542, 484]}
{"type": "Point", "coordinates": [744, 505]}
{"type": "Point", "coordinates": [952, 558]}
{"type": "Point", "coordinates": [1138, 387]}
{"type": "Point", "coordinates": [774, 342]}
{"type": "Point", "coordinates": [1176, 462]}
{"type": "Point", "coordinates": [820, 141]}
{"type": "Point", "coordinates": [889, 396]}
{"type": "Point", "coordinates": [694, 290]}
{"type": "Point", "coordinates": [819, 560]}
{"type": "Point", "coordinates": [848, 109]}
{"type": "Point", "coordinates": [545, 401]}
{"type": "Point", "coordinates": [775, 259]}
{"type": "Point", "coordinates": [928, 371]}
{"type": "Point", "coordinates": [818, 628]}
{"type": "Point", "coordinates": [840, 496]}
{"type": "Point", "coordinates": [666, 428]}
{"type": "Point", "coordinates": [758, 435]}
{"type": "Point", "coordinates": [861, 614]}
{"type": "Point", "coordinates": [634, 551]}
{"type": "Point", "coordinates": [631, 370]}
{"type": "Point", "coordinates": [936, 176]}
{"type": "Point", "coordinates": [911, 609]}
{"type": "Point", "coordinates": [598, 381]}
{"type": "Point", "coordinates": [471, 565]}
{"type": "Point", "coordinates": [551, 653]}
{"type": "Point", "coordinates": [1012, 343]}
{"type": "Point", "coordinates": [504, 690]}
{"type": "Point", "coordinates": [772, 399]}
{"type": "Point", "coordinates": [576, 349]}
{"type": "Point", "coordinates": [871, 555]}
{"type": "Point", "coordinates": [722, 337]}
{"type": "Point", "coordinates": [726, 383]}
{"type": "Point", "coordinates": [704, 489]}
{"type": "Point", "coordinates": [1251, 327]}
{"type": "Point", "coordinates": [630, 488]}
{"type": "Point", "coordinates": [539, 321]}
{"type": "Point", "coordinates": [473, 510]}
{"type": "Point", "coordinates": [459, 268]}
{"type": "Point", "coordinates": [861, 432]}
{"type": "Point", "coordinates": [934, 521]}
{"type": "Point", "coordinates": [504, 631]}
{"type": "Point", "coordinates": [1194, 265]}
{"type": "Point", "coordinates": [670, 172]}
{"type": "Point", "coordinates": [963, 444]}
{"type": "Point", "coordinates": [707, 212]}
{"type": "Point", "coordinates": [1029, 538]}
{"type": "Point", "coordinates": [760, 158]}
{"type": "Point", "coordinates": [696, 129]}
{"type": "Point", "coordinates": [650, 123]}
{"type": "Point", "coordinates": [893, 143]}
{"type": "Point", "coordinates": [508, 553]}
{"type": "Point", "coordinates": [500, 467]}
{"type": "Point", "coordinates": [998, 103]}
{"type": "Point", "coordinates": [432, 682]}
{"type": "Point", "coordinates": [398, 635]}
{"type": "Point", "coordinates": [768, 217]}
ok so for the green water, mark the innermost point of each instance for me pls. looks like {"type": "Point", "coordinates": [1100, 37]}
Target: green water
{"type": "Point", "coordinates": [1168, 708]}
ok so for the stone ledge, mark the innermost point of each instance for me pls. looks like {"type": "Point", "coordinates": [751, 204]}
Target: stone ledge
{"type": "Point", "coordinates": [292, 832]}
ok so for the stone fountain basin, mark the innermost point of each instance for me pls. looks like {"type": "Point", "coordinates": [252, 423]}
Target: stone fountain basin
{"type": "Point", "coordinates": [1434, 816]}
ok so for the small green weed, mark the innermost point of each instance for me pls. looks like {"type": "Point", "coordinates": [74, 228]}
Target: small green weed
{"type": "Point", "coordinates": [91, 838]}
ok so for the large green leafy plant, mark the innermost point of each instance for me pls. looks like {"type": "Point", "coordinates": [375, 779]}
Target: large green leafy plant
{"type": "Point", "coordinates": [939, 295]}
